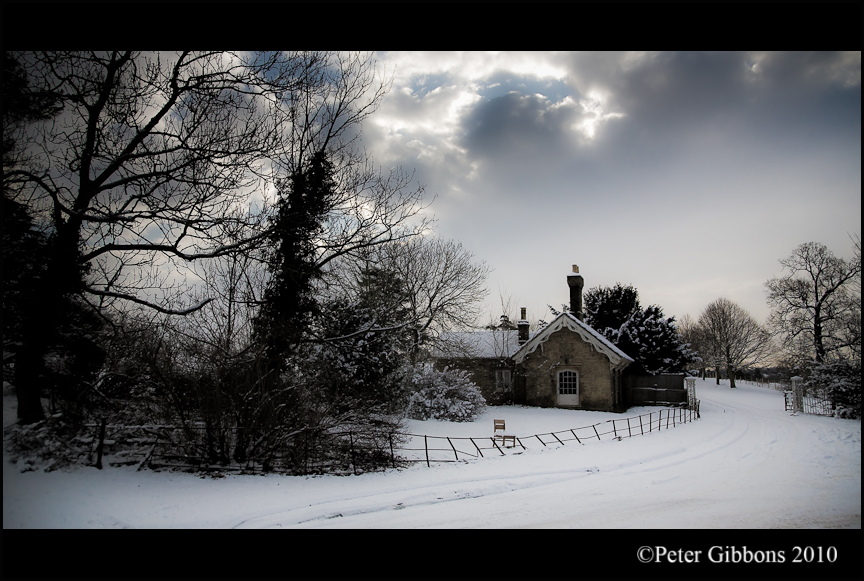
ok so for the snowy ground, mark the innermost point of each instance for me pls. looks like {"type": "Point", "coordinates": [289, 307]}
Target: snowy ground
{"type": "Point", "coordinates": [746, 463]}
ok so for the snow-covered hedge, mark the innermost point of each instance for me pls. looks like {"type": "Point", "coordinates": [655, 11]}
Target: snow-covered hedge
{"type": "Point", "coordinates": [841, 382]}
{"type": "Point", "coordinates": [444, 395]}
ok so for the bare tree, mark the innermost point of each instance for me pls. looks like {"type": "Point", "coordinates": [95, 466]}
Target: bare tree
{"type": "Point", "coordinates": [816, 307]}
{"type": "Point", "coordinates": [734, 337]}
{"type": "Point", "coordinates": [694, 334]}
{"type": "Point", "coordinates": [155, 161]}
{"type": "Point", "coordinates": [443, 283]}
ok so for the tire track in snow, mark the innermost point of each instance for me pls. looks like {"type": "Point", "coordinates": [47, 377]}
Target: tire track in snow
{"type": "Point", "coordinates": [397, 500]}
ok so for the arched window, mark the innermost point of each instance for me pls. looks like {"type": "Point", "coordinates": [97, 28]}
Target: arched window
{"type": "Point", "coordinates": [568, 387]}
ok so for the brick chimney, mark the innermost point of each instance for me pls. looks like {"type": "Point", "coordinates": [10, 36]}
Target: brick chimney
{"type": "Point", "coordinates": [522, 324]}
{"type": "Point", "coordinates": [576, 282]}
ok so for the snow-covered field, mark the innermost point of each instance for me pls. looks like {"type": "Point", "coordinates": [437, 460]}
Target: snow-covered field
{"type": "Point", "coordinates": [746, 463]}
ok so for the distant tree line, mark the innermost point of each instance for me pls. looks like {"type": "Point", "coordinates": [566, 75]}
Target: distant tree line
{"type": "Point", "coordinates": [814, 329]}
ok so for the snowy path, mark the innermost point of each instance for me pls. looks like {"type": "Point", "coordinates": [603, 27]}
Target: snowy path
{"type": "Point", "coordinates": [746, 464]}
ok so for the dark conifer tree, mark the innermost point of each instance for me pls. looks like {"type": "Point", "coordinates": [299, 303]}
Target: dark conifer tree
{"type": "Point", "coordinates": [40, 282]}
{"type": "Point", "coordinates": [289, 303]}
{"type": "Point", "coordinates": [644, 334]}
{"type": "Point", "coordinates": [365, 341]}
{"type": "Point", "coordinates": [607, 309]}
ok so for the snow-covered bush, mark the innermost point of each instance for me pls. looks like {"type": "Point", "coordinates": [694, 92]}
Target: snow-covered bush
{"type": "Point", "coordinates": [49, 445]}
{"type": "Point", "coordinates": [444, 395]}
{"type": "Point", "coordinates": [841, 382]}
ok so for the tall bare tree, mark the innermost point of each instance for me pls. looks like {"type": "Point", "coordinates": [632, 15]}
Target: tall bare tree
{"type": "Point", "coordinates": [734, 338]}
{"type": "Point", "coordinates": [816, 306]}
{"type": "Point", "coordinates": [157, 160]}
{"type": "Point", "coordinates": [444, 284]}
{"type": "Point", "coordinates": [693, 334]}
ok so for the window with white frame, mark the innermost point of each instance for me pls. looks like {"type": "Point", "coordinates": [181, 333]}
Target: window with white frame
{"type": "Point", "coordinates": [568, 383]}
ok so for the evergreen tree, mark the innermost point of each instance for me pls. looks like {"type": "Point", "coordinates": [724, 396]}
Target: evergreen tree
{"type": "Point", "coordinates": [42, 315]}
{"type": "Point", "coordinates": [645, 335]}
{"type": "Point", "coordinates": [607, 309]}
{"type": "Point", "coordinates": [289, 305]}
{"type": "Point", "coordinates": [24, 249]}
{"type": "Point", "coordinates": [364, 346]}
{"type": "Point", "coordinates": [654, 342]}
{"type": "Point", "coordinates": [21, 105]}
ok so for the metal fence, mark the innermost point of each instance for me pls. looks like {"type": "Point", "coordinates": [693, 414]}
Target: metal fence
{"type": "Point", "coordinates": [798, 399]}
{"type": "Point", "coordinates": [344, 452]}
{"type": "Point", "coordinates": [434, 449]}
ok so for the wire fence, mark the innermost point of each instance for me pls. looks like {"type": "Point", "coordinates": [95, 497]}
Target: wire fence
{"type": "Point", "coordinates": [310, 451]}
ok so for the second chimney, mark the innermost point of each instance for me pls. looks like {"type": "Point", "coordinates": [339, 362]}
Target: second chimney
{"type": "Point", "coordinates": [576, 282]}
{"type": "Point", "coordinates": [522, 324]}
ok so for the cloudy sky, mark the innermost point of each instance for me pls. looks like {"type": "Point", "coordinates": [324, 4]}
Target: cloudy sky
{"type": "Point", "coordinates": [687, 175]}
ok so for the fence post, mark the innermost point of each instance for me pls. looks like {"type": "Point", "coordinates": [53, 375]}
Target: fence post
{"type": "Point", "coordinates": [392, 456]}
{"type": "Point", "coordinates": [595, 431]}
{"type": "Point", "coordinates": [101, 444]}
{"type": "Point", "coordinates": [539, 438]}
{"type": "Point", "coordinates": [496, 446]}
{"type": "Point", "coordinates": [150, 455]}
{"type": "Point", "coordinates": [574, 435]}
{"type": "Point", "coordinates": [691, 392]}
{"type": "Point", "coordinates": [798, 394]}
{"type": "Point", "coordinates": [557, 438]}
{"type": "Point", "coordinates": [426, 447]}
{"type": "Point", "coordinates": [614, 431]}
{"type": "Point", "coordinates": [351, 443]}
{"type": "Point", "coordinates": [305, 451]}
{"type": "Point", "coordinates": [476, 446]}
{"type": "Point", "coordinates": [629, 433]}
{"type": "Point", "coordinates": [641, 429]}
{"type": "Point", "coordinates": [454, 449]}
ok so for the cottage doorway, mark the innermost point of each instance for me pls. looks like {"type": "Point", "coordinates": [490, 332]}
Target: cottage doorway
{"type": "Point", "coordinates": [568, 387]}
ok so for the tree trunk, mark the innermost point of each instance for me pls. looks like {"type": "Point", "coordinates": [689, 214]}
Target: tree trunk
{"type": "Point", "coordinates": [731, 373]}
{"type": "Point", "coordinates": [41, 322]}
{"type": "Point", "coordinates": [817, 335]}
{"type": "Point", "coordinates": [29, 362]}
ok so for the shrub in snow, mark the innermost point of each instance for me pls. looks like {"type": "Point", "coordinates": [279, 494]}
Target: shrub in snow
{"type": "Point", "coordinates": [48, 445]}
{"type": "Point", "coordinates": [841, 383]}
{"type": "Point", "coordinates": [444, 395]}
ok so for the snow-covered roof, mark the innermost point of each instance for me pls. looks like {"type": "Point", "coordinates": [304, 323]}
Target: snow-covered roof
{"type": "Point", "coordinates": [485, 344]}
{"type": "Point", "coordinates": [501, 343]}
{"type": "Point", "coordinates": [617, 358]}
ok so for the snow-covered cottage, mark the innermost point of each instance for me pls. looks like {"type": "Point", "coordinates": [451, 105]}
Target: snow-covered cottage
{"type": "Point", "coordinates": [565, 364]}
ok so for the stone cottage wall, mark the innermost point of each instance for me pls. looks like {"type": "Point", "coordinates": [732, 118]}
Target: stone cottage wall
{"type": "Point", "coordinates": [566, 350]}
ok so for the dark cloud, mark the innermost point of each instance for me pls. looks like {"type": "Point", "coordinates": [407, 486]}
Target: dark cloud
{"type": "Point", "coordinates": [505, 122]}
{"type": "Point", "coordinates": [668, 96]}
{"type": "Point", "coordinates": [719, 165]}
